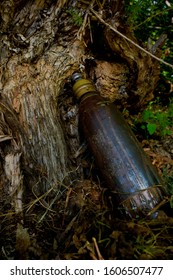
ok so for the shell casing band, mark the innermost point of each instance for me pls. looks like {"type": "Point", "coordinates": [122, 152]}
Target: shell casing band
{"type": "Point", "coordinates": [83, 86]}
{"type": "Point", "coordinates": [142, 202]}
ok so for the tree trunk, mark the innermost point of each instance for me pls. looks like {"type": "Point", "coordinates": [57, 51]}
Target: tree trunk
{"type": "Point", "coordinates": [40, 49]}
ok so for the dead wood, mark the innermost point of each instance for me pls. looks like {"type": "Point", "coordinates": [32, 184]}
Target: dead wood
{"type": "Point", "coordinates": [35, 62]}
{"type": "Point", "coordinates": [143, 69]}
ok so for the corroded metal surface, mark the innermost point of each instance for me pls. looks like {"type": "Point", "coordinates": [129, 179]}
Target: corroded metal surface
{"type": "Point", "coordinates": [124, 166]}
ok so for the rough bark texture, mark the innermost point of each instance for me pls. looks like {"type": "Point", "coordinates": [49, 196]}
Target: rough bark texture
{"type": "Point", "coordinates": [37, 55]}
{"type": "Point", "coordinates": [144, 70]}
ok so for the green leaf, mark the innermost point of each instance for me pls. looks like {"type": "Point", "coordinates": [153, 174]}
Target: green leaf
{"type": "Point", "coordinates": [146, 115]}
{"type": "Point", "coordinates": [143, 126]}
{"type": "Point", "coordinates": [167, 132]}
{"type": "Point", "coordinates": [151, 127]}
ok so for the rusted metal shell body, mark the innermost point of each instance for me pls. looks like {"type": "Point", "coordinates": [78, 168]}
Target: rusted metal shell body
{"type": "Point", "coordinates": [124, 165]}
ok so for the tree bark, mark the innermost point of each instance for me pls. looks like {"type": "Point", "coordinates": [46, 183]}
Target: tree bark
{"type": "Point", "coordinates": [39, 50]}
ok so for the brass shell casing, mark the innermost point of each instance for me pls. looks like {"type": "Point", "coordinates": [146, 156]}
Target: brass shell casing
{"type": "Point", "coordinates": [82, 86]}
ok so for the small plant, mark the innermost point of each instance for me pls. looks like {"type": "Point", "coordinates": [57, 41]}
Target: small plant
{"type": "Point", "coordinates": [156, 119]}
{"type": "Point", "coordinates": [76, 16]}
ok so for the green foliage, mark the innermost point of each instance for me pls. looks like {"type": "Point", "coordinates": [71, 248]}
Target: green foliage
{"type": "Point", "coordinates": [150, 19]}
{"type": "Point", "coordinates": [141, 13]}
{"type": "Point", "coordinates": [76, 16]}
{"type": "Point", "coordinates": [151, 127]}
{"type": "Point", "coordinates": [158, 120]}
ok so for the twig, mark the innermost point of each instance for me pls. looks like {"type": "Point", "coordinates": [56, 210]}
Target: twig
{"type": "Point", "coordinates": [97, 249]}
{"type": "Point", "coordinates": [129, 40]}
{"type": "Point", "coordinates": [82, 28]}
